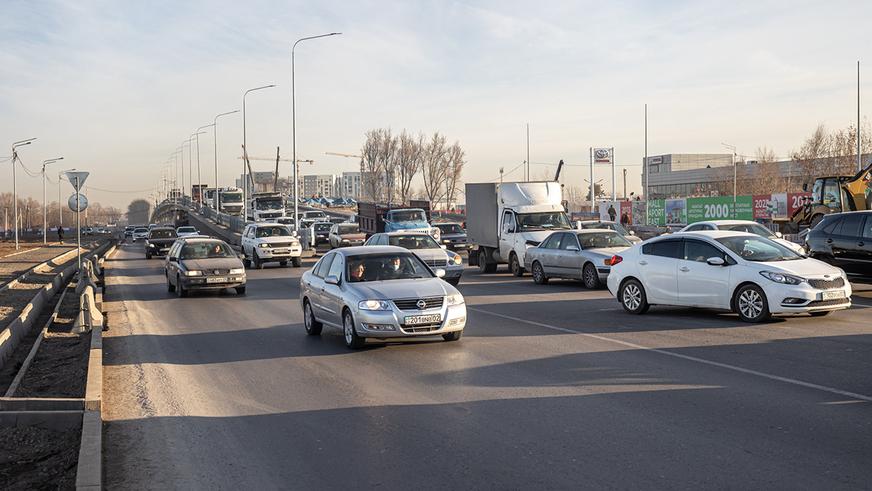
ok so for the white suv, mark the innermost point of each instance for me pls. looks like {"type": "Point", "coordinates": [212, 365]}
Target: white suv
{"type": "Point", "coordinates": [270, 242]}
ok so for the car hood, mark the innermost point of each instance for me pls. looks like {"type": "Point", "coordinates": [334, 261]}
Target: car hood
{"type": "Point", "coordinates": [803, 267]}
{"type": "Point", "coordinates": [605, 252]}
{"type": "Point", "coordinates": [786, 243]}
{"type": "Point", "coordinates": [277, 239]}
{"type": "Point", "coordinates": [212, 263]}
{"type": "Point", "coordinates": [413, 288]}
{"type": "Point", "coordinates": [358, 236]}
{"type": "Point", "coordinates": [453, 236]}
{"type": "Point", "coordinates": [430, 254]}
{"type": "Point", "coordinates": [162, 241]}
{"type": "Point", "coordinates": [536, 236]}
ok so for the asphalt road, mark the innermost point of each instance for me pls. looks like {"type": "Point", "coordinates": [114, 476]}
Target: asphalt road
{"type": "Point", "coordinates": [551, 387]}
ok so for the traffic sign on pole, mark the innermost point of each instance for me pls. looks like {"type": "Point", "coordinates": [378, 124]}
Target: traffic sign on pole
{"type": "Point", "coordinates": [78, 202]}
{"type": "Point", "coordinates": [77, 178]}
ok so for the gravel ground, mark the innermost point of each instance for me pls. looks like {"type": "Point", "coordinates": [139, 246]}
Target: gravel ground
{"type": "Point", "coordinates": [12, 267]}
{"type": "Point", "coordinates": [37, 458]}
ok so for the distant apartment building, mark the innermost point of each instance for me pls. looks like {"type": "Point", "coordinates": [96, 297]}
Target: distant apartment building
{"type": "Point", "coordinates": [263, 182]}
{"type": "Point", "coordinates": [319, 185]}
{"type": "Point", "coordinates": [348, 185]}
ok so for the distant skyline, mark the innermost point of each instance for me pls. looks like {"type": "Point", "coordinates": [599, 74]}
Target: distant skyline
{"type": "Point", "coordinates": [115, 87]}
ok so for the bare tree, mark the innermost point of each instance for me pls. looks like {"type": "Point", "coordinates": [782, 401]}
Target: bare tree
{"type": "Point", "coordinates": [410, 160]}
{"type": "Point", "coordinates": [434, 169]}
{"type": "Point", "coordinates": [370, 166]}
{"type": "Point", "coordinates": [388, 157]}
{"type": "Point", "coordinates": [454, 160]}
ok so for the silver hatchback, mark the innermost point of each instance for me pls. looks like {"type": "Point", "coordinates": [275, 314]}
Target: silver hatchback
{"type": "Point", "coordinates": [381, 292]}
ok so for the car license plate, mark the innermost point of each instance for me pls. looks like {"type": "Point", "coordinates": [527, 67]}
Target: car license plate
{"type": "Point", "coordinates": [414, 320]}
{"type": "Point", "coordinates": [833, 295]}
{"type": "Point", "coordinates": [216, 279]}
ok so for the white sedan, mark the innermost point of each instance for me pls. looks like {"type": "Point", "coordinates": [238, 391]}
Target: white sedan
{"type": "Point", "coordinates": [744, 226]}
{"type": "Point", "coordinates": [735, 271]}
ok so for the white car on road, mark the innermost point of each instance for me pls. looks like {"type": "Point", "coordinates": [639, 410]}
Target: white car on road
{"type": "Point", "coordinates": [187, 231]}
{"type": "Point", "coordinates": [736, 271]}
{"type": "Point", "coordinates": [265, 242]}
{"type": "Point", "coordinates": [744, 226]}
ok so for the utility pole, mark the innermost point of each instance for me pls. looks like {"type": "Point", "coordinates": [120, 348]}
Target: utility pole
{"type": "Point", "coordinates": [625, 182]}
{"type": "Point", "coordinates": [528, 152]}
{"type": "Point", "coordinates": [592, 185]}
{"type": "Point", "coordinates": [647, 172]}
{"type": "Point", "coordinates": [15, 145]}
{"type": "Point", "coordinates": [44, 205]}
{"type": "Point", "coordinates": [859, 159]}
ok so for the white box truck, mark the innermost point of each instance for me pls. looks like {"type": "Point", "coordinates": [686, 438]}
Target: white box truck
{"type": "Point", "coordinates": [503, 220]}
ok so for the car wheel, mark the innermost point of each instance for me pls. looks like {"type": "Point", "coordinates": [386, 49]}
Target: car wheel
{"type": "Point", "coordinates": [633, 298]}
{"type": "Point", "coordinates": [256, 262]}
{"type": "Point", "coordinates": [751, 304]}
{"type": "Point", "coordinates": [485, 266]}
{"type": "Point", "coordinates": [454, 281]}
{"type": "Point", "coordinates": [821, 313]}
{"type": "Point", "coordinates": [313, 327]}
{"type": "Point", "coordinates": [240, 290]}
{"type": "Point", "coordinates": [590, 276]}
{"type": "Point", "coordinates": [147, 256]}
{"type": "Point", "coordinates": [170, 287]}
{"type": "Point", "coordinates": [297, 262]}
{"type": "Point", "coordinates": [515, 265]}
{"type": "Point", "coordinates": [453, 336]}
{"type": "Point", "coordinates": [283, 264]}
{"type": "Point", "coordinates": [539, 274]}
{"type": "Point", "coordinates": [352, 340]}
{"type": "Point", "coordinates": [180, 290]}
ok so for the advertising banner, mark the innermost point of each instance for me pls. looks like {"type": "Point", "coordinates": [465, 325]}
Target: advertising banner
{"type": "Point", "coordinates": [656, 212]}
{"type": "Point", "coordinates": [676, 211]}
{"type": "Point", "coordinates": [610, 211]}
{"type": "Point", "coordinates": [602, 155]}
{"type": "Point", "coordinates": [638, 213]}
{"type": "Point", "coordinates": [794, 202]}
{"type": "Point", "coordinates": [761, 206]}
{"type": "Point", "coordinates": [626, 215]}
{"type": "Point", "coordinates": [719, 208]}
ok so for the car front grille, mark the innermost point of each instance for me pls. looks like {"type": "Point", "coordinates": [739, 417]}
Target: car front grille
{"type": "Point", "coordinates": [828, 303]}
{"type": "Point", "coordinates": [216, 271]}
{"type": "Point", "coordinates": [827, 284]}
{"type": "Point", "coordinates": [280, 244]}
{"type": "Point", "coordinates": [422, 328]}
{"type": "Point", "coordinates": [412, 303]}
{"type": "Point", "coordinates": [437, 263]}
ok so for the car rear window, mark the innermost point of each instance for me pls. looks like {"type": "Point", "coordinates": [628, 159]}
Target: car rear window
{"type": "Point", "coordinates": [162, 234]}
{"type": "Point", "coordinates": [664, 248]}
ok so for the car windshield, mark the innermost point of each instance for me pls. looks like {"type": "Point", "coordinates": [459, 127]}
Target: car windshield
{"type": "Point", "coordinates": [550, 220]}
{"type": "Point", "coordinates": [185, 230]}
{"type": "Point", "coordinates": [408, 216]}
{"type": "Point", "coordinates": [758, 249]}
{"type": "Point", "coordinates": [162, 234]}
{"type": "Point", "coordinates": [597, 240]}
{"type": "Point", "coordinates": [754, 228]}
{"type": "Point", "coordinates": [352, 228]}
{"type": "Point", "coordinates": [274, 231]}
{"type": "Point", "coordinates": [272, 204]}
{"type": "Point", "coordinates": [141, 231]}
{"type": "Point", "coordinates": [419, 241]}
{"type": "Point", "coordinates": [231, 198]}
{"type": "Point", "coordinates": [450, 228]}
{"type": "Point", "coordinates": [204, 250]}
{"type": "Point", "coordinates": [385, 267]}
{"type": "Point", "coordinates": [322, 227]}
{"type": "Point", "coordinates": [314, 214]}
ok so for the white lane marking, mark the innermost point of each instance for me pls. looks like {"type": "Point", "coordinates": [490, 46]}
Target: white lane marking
{"type": "Point", "coordinates": [735, 368]}
{"type": "Point", "coordinates": [20, 252]}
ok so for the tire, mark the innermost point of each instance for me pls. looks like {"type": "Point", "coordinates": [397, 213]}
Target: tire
{"type": "Point", "coordinates": [352, 340]}
{"type": "Point", "coordinates": [590, 277]}
{"type": "Point", "coordinates": [821, 313]}
{"type": "Point", "coordinates": [515, 265]}
{"type": "Point", "coordinates": [240, 290]}
{"type": "Point", "coordinates": [170, 287]}
{"type": "Point", "coordinates": [180, 290]}
{"type": "Point", "coordinates": [313, 327]}
{"type": "Point", "coordinates": [256, 262]}
{"type": "Point", "coordinates": [538, 272]}
{"type": "Point", "coordinates": [283, 264]}
{"type": "Point", "coordinates": [147, 256]}
{"type": "Point", "coordinates": [751, 304]}
{"type": "Point", "coordinates": [632, 297]}
{"type": "Point", "coordinates": [453, 281]}
{"type": "Point", "coordinates": [297, 261]}
{"type": "Point", "coordinates": [453, 336]}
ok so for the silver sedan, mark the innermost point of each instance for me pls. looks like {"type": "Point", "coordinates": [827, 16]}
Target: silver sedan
{"type": "Point", "coordinates": [380, 292]}
{"type": "Point", "coordinates": [586, 255]}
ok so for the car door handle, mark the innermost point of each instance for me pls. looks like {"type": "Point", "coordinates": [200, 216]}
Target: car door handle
{"type": "Point", "coordinates": [684, 269]}
{"type": "Point", "coordinates": [861, 244]}
{"type": "Point", "coordinates": [643, 263]}
{"type": "Point", "coordinates": [829, 241]}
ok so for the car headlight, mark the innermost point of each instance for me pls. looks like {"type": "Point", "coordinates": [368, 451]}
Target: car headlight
{"type": "Point", "coordinates": [150, 244]}
{"type": "Point", "coordinates": [263, 246]}
{"type": "Point", "coordinates": [237, 271]}
{"type": "Point", "coordinates": [374, 305]}
{"type": "Point", "coordinates": [801, 250]}
{"type": "Point", "coordinates": [193, 273]}
{"type": "Point", "coordinates": [782, 278]}
{"type": "Point", "coordinates": [454, 258]}
{"type": "Point", "coordinates": [454, 299]}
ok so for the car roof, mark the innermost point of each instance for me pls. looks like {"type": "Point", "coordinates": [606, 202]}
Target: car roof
{"type": "Point", "coordinates": [201, 238]}
{"type": "Point", "coordinates": [726, 222]}
{"type": "Point", "coordinates": [163, 228]}
{"type": "Point", "coordinates": [403, 232]}
{"type": "Point", "coordinates": [590, 230]}
{"type": "Point", "coordinates": [596, 221]}
{"type": "Point", "coordinates": [711, 234]}
{"type": "Point", "coordinates": [368, 250]}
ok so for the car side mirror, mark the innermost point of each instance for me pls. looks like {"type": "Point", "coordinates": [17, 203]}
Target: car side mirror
{"type": "Point", "coordinates": [174, 259]}
{"type": "Point", "coordinates": [715, 261]}
{"type": "Point", "coordinates": [440, 273]}
{"type": "Point", "coordinates": [331, 280]}
{"type": "Point", "coordinates": [632, 232]}
{"type": "Point", "coordinates": [443, 246]}
{"type": "Point", "coordinates": [779, 235]}
{"type": "Point", "coordinates": [573, 248]}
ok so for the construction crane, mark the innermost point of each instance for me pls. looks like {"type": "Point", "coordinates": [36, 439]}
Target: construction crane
{"type": "Point", "coordinates": [338, 154]}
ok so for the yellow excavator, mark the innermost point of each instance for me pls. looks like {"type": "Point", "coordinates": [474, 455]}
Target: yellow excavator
{"type": "Point", "coordinates": [834, 194]}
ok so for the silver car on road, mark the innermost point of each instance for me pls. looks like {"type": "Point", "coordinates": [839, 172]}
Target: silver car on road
{"type": "Point", "coordinates": [380, 292]}
{"type": "Point", "coordinates": [585, 255]}
{"type": "Point", "coordinates": [425, 247]}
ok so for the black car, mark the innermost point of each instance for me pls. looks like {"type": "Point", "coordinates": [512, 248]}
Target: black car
{"type": "Point", "coordinates": [322, 232]}
{"type": "Point", "coordinates": [159, 241]}
{"type": "Point", "coordinates": [453, 236]}
{"type": "Point", "coordinates": [843, 240]}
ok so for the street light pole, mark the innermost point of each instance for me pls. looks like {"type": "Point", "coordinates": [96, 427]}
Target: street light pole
{"type": "Point", "coordinates": [733, 148]}
{"type": "Point", "coordinates": [245, 150]}
{"type": "Point", "coordinates": [15, 145]}
{"type": "Point", "coordinates": [44, 206]}
{"type": "Point", "coordinates": [215, 153]}
{"type": "Point", "coordinates": [294, 126]}
{"type": "Point", "coordinates": [199, 180]}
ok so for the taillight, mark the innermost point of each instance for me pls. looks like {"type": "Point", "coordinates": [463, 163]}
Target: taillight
{"type": "Point", "coordinates": [613, 260]}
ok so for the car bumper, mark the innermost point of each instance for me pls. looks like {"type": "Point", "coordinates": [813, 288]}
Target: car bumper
{"type": "Point", "coordinates": [200, 282]}
{"type": "Point", "coordinates": [350, 243]}
{"type": "Point", "coordinates": [154, 251]}
{"type": "Point", "coordinates": [804, 298]}
{"type": "Point", "coordinates": [279, 254]}
{"type": "Point", "coordinates": [453, 272]}
{"type": "Point", "coordinates": [390, 324]}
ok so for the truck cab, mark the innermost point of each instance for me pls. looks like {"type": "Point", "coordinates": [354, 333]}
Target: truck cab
{"type": "Point", "coordinates": [266, 206]}
{"type": "Point", "coordinates": [230, 201]}
{"type": "Point", "coordinates": [380, 218]}
{"type": "Point", "coordinates": [504, 220]}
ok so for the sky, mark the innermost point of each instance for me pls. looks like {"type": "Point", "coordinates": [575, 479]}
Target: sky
{"type": "Point", "coordinates": [116, 86]}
